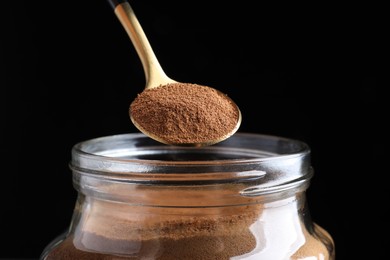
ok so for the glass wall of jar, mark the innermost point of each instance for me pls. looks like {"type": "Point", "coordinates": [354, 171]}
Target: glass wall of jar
{"type": "Point", "coordinates": [244, 198]}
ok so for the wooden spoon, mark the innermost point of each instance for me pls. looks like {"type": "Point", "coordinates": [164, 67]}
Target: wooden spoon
{"type": "Point", "coordinates": [157, 79]}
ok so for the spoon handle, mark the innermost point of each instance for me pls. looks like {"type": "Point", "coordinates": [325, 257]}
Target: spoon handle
{"type": "Point", "coordinates": [154, 74]}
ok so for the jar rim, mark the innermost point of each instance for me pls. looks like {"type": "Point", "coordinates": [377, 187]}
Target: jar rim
{"type": "Point", "coordinates": [134, 157]}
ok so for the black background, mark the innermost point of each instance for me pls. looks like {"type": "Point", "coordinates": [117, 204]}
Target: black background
{"type": "Point", "coordinates": [313, 72]}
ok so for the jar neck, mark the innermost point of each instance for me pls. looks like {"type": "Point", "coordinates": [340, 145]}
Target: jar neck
{"type": "Point", "coordinates": [251, 164]}
{"type": "Point", "coordinates": [233, 193]}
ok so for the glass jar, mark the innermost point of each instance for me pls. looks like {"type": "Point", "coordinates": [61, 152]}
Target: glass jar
{"type": "Point", "coordinates": [243, 198]}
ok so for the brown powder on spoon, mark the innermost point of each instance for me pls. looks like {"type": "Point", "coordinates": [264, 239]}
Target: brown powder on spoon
{"type": "Point", "coordinates": [183, 113]}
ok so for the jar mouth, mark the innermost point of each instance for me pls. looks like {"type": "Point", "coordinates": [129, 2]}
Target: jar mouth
{"type": "Point", "coordinates": [134, 157]}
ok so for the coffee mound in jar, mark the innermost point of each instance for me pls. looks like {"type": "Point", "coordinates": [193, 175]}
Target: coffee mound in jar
{"type": "Point", "coordinates": [163, 237]}
{"type": "Point", "coordinates": [131, 235]}
{"type": "Point", "coordinates": [183, 113]}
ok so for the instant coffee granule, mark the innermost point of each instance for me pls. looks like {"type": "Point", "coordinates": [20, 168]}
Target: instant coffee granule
{"type": "Point", "coordinates": [182, 113]}
{"type": "Point", "coordinates": [163, 236]}
{"type": "Point", "coordinates": [114, 231]}
{"type": "Point", "coordinates": [192, 239]}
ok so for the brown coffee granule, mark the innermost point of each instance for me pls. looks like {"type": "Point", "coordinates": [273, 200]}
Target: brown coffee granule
{"type": "Point", "coordinates": [127, 233]}
{"type": "Point", "coordinates": [194, 248]}
{"type": "Point", "coordinates": [183, 113]}
{"type": "Point", "coordinates": [91, 246]}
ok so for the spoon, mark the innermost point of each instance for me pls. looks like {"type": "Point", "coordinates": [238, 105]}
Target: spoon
{"type": "Point", "coordinates": [156, 77]}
